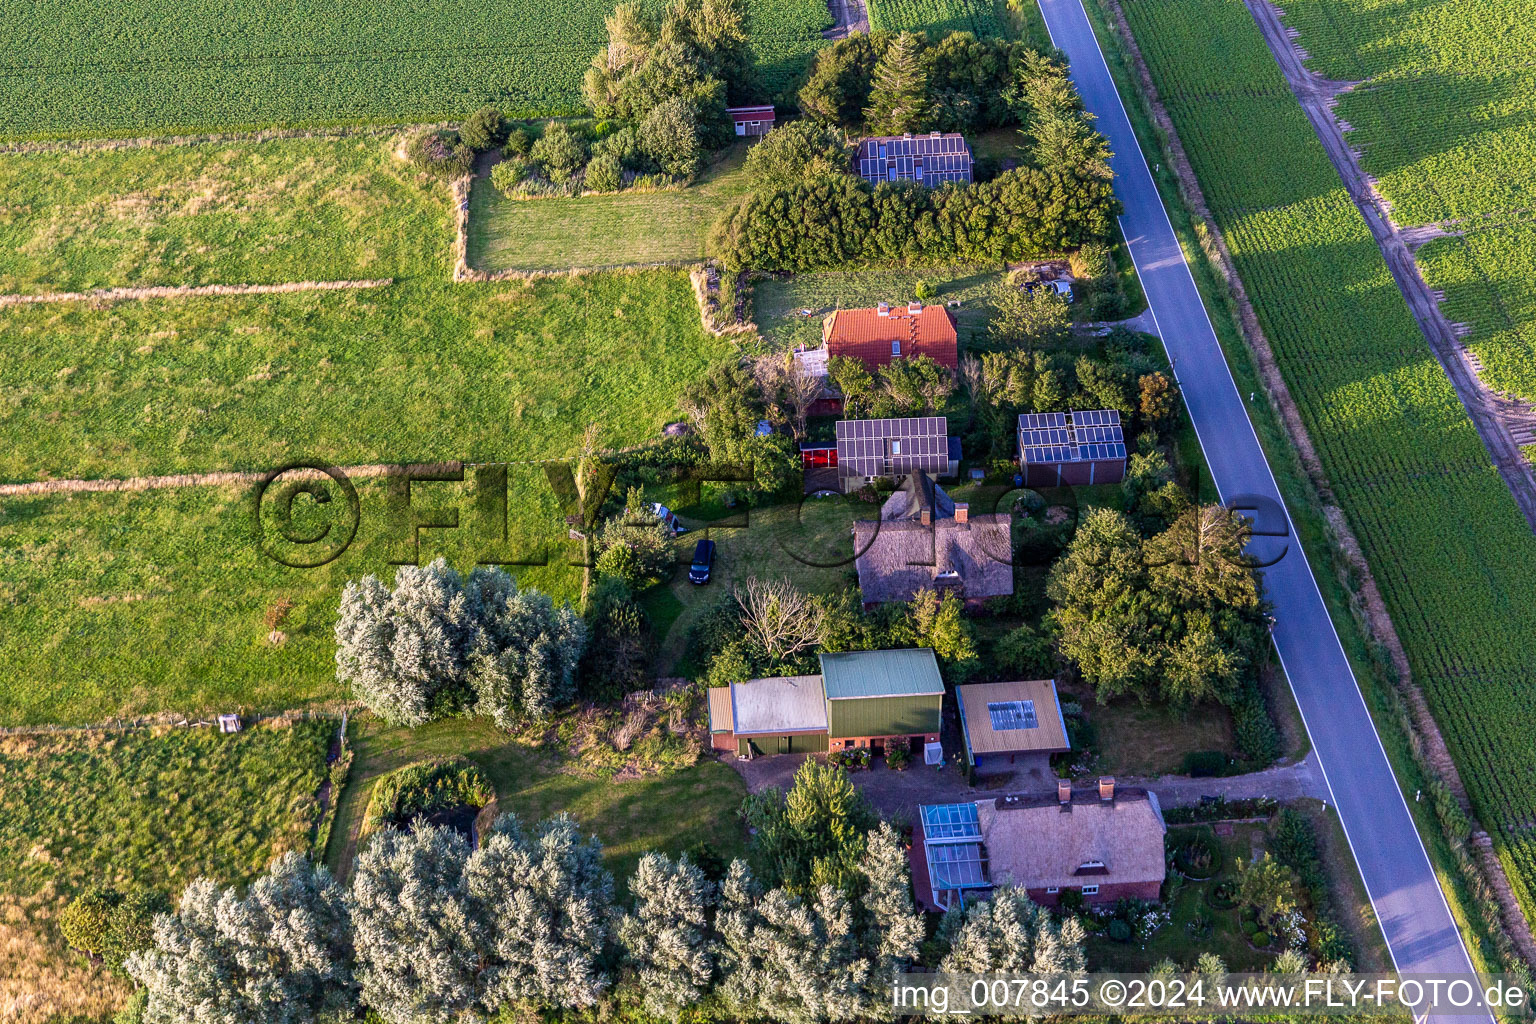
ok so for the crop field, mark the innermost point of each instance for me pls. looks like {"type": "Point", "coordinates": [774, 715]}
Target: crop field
{"type": "Point", "coordinates": [145, 807]}
{"type": "Point", "coordinates": [1455, 559]}
{"type": "Point", "coordinates": [1447, 125]}
{"type": "Point", "coordinates": [936, 17]}
{"type": "Point", "coordinates": [597, 231]}
{"type": "Point", "coordinates": [218, 213]}
{"type": "Point", "coordinates": [96, 68]}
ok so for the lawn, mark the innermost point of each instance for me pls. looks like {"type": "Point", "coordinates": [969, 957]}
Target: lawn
{"type": "Point", "coordinates": [623, 229]}
{"type": "Point", "coordinates": [143, 807]}
{"type": "Point", "coordinates": [668, 812]}
{"type": "Point", "coordinates": [1149, 739]}
{"type": "Point", "coordinates": [421, 371]}
{"type": "Point", "coordinates": [99, 68]}
{"type": "Point", "coordinates": [279, 210]}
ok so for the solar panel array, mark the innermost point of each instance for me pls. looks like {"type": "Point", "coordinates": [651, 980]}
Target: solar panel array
{"type": "Point", "coordinates": [950, 822]}
{"type": "Point", "coordinates": [1013, 714]}
{"type": "Point", "coordinates": [894, 447]}
{"type": "Point", "coordinates": [925, 158]}
{"type": "Point", "coordinates": [1047, 437]}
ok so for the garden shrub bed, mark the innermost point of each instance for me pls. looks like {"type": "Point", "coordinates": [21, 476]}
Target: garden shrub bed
{"type": "Point", "coordinates": [430, 790]}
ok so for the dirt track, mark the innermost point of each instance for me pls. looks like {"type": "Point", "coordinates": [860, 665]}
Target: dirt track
{"type": "Point", "coordinates": [1489, 413]}
{"type": "Point", "coordinates": [849, 16]}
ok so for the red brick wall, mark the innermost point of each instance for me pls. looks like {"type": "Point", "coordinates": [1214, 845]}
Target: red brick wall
{"type": "Point", "coordinates": [1108, 892]}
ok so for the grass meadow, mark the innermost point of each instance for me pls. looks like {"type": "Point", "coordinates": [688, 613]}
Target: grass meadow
{"type": "Point", "coordinates": [627, 228]}
{"type": "Point", "coordinates": [294, 209]}
{"type": "Point", "coordinates": [154, 807]}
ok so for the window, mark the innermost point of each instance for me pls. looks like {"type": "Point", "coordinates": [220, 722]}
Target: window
{"type": "Point", "coordinates": [1051, 889]}
{"type": "Point", "coordinates": [890, 173]}
{"type": "Point", "coordinates": [882, 151]}
{"type": "Point", "coordinates": [1091, 865]}
{"type": "Point", "coordinates": [1008, 715]}
{"type": "Point", "coordinates": [895, 446]}
{"type": "Point", "coordinates": [1090, 890]}
{"type": "Point", "coordinates": [895, 348]}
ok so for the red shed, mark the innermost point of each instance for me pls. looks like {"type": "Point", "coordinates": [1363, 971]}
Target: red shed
{"type": "Point", "coordinates": [751, 121]}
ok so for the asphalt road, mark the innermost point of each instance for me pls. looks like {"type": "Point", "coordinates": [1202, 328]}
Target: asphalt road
{"type": "Point", "coordinates": [1402, 885]}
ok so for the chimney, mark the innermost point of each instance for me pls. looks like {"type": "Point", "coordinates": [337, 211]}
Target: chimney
{"type": "Point", "coordinates": [927, 517]}
{"type": "Point", "coordinates": [883, 309]}
{"type": "Point", "coordinates": [914, 308]}
{"type": "Point", "coordinates": [1064, 791]}
{"type": "Point", "coordinates": [962, 513]}
{"type": "Point", "coordinates": [1107, 788]}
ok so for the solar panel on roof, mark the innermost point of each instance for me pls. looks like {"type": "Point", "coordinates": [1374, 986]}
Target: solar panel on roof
{"type": "Point", "coordinates": [1008, 715]}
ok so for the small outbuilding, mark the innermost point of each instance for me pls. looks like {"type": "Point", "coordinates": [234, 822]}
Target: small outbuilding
{"type": "Point", "coordinates": [883, 699]}
{"type": "Point", "coordinates": [781, 715]}
{"type": "Point", "coordinates": [1071, 449]}
{"type": "Point", "coordinates": [870, 450]}
{"type": "Point", "coordinates": [1012, 726]}
{"type": "Point", "coordinates": [932, 159]}
{"type": "Point", "coordinates": [750, 122]}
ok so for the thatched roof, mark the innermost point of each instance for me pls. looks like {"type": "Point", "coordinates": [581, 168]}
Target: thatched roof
{"type": "Point", "coordinates": [900, 555]}
{"type": "Point", "coordinates": [1037, 844]}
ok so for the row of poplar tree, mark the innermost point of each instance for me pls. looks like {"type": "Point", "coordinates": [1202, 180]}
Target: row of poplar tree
{"type": "Point", "coordinates": [430, 929]}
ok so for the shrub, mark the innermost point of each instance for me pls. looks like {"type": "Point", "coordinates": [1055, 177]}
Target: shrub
{"type": "Point", "coordinates": [86, 922]}
{"type": "Point", "coordinates": [624, 144]}
{"type": "Point", "coordinates": [423, 789]}
{"type": "Point", "coordinates": [1119, 930]}
{"type": "Point", "coordinates": [1093, 261]}
{"type": "Point", "coordinates": [795, 152]}
{"type": "Point", "coordinates": [671, 135]}
{"type": "Point", "coordinates": [922, 290]}
{"type": "Point", "coordinates": [1261, 940]}
{"type": "Point", "coordinates": [560, 151]}
{"type": "Point", "coordinates": [508, 175]}
{"type": "Point", "coordinates": [518, 143]}
{"type": "Point", "coordinates": [133, 925]}
{"type": "Point", "coordinates": [898, 758]}
{"type": "Point", "coordinates": [1198, 856]}
{"type": "Point", "coordinates": [484, 130]}
{"type": "Point", "coordinates": [853, 760]}
{"type": "Point", "coordinates": [440, 153]}
{"type": "Point", "coordinates": [1205, 763]}
{"type": "Point", "coordinates": [605, 173]}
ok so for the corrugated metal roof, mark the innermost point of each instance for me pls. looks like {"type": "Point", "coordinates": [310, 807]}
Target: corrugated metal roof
{"type": "Point", "coordinates": [976, 718]}
{"type": "Point", "coordinates": [780, 704]}
{"type": "Point", "coordinates": [720, 718]}
{"type": "Point", "coordinates": [900, 673]}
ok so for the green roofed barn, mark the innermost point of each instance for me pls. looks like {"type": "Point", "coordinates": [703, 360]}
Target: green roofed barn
{"type": "Point", "coordinates": [876, 700]}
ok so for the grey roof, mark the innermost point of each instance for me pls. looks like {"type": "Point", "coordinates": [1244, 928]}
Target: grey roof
{"type": "Point", "coordinates": [780, 704]}
{"type": "Point", "coordinates": [931, 159]}
{"type": "Point", "coordinates": [1032, 842]}
{"type": "Point", "coordinates": [1048, 437]}
{"type": "Point", "coordinates": [899, 673]}
{"type": "Point", "coordinates": [893, 447]}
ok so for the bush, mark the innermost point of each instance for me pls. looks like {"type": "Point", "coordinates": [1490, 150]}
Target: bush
{"type": "Point", "coordinates": [1119, 931]}
{"type": "Point", "coordinates": [605, 173]}
{"type": "Point", "coordinates": [795, 152]}
{"type": "Point", "coordinates": [86, 922]}
{"type": "Point", "coordinates": [1093, 262]}
{"type": "Point", "coordinates": [898, 758]}
{"type": "Point", "coordinates": [624, 144]}
{"type": "Point", "coordinates": [671, 135]}
{"type": "Point", "coordinates": [518, 143]}
{"type": "Point", "coordinates": [508, 175]}
{"type": "Point", "coordinates": [133, 925]}
{"type": "Point", "coordinates": [484, 130]}
{"type": "Point", "coordinates": [423, 789]}
{"type": "Point", "coordinates": [1202, 764]}
{"type": "Point", "coordinates": [1253, 725]}
{"type": "Point", "coordinates": [1261, 940]}
{"type": "Point", "coordinates": [853, 760]}
{"type": "Point", "coordinates": [561, 151]}
{"type": "Point", "coordinates": [440, 153]}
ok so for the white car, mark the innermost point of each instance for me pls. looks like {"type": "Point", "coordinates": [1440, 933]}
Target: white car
{"type": "Point", "coordinates": [666, 515]}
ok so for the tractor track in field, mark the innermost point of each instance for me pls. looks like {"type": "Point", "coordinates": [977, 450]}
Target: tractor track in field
{"type": "Point", "coordinates": [1498, 420]}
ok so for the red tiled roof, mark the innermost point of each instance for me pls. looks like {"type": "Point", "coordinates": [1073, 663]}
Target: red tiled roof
{"type": "Point", "coordinates": [866, 335]}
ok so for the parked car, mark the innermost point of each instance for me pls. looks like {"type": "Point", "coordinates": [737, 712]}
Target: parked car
{"type": "Point", "coordinates": [703, 561]}
{"type": "Point", "coordinates": [667, 516]}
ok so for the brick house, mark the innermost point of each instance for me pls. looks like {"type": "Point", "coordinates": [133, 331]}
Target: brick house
{"type": "Point", "coordinates": [880, 335]}
{"type": "Point", "coordinates": [1105, 843]}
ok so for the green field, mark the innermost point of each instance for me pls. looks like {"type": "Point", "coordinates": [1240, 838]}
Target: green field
{"type": "Point", "coordinates": [625, 229]}
{"type": "Point", "coordinates": [421, 371]}
{"type": "Point", "coordinates": [218, 213]}
{"type": "Point", "coordinates": [669, 812]}
{"type": "Point", "coordinates": [143, 807]}
{"type": "Point", "coordinates": [936, 17]}
{"type": "Point", "coordinates": [151, 68]}
{"type": "Point", "coordinates": [1447, 125]}
{"type": "Point", "coordinates": [1455, 560]}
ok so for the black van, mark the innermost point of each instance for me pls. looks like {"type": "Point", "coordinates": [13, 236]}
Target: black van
{"type": "Point", "coordinates": [703, 561]}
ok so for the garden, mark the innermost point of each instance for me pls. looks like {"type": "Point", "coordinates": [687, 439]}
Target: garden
{"type": "Point", "coordinates": [139, 810]}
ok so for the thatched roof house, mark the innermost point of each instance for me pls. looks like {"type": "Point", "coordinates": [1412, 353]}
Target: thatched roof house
{"type": "Point", "coordinates": [924, 539]}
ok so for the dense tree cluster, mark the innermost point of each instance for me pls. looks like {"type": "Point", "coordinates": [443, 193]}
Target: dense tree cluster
{"type": "Point", "coordinates": [905, 387]}
{"type": "Point", "coordinates": [830, 221]}
{"type": "Point", "coordinates": [1177, 616]}
{"type": "Point", "coordinates": [439, 643]}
